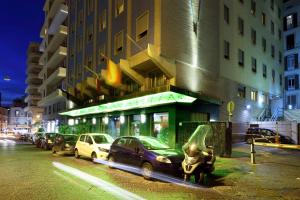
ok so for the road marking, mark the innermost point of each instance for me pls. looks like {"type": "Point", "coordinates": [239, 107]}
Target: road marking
{"type": "Point", "coordinates": [109, 187]}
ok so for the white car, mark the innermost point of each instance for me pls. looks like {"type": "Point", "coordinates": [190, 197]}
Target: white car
{"type": "Point", "coordinates": [93, 145]}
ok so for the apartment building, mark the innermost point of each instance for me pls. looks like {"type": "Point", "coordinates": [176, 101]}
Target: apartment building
{"type": "Point", "coordinates": [32, 109]}
{"type": "Point", "coordinates": [180, 61]}
{"type": "Point", "coordinates": [53, 60]}
{"type": "Point", "coordinates": [18, 120]}
{"type": "Point", "coordinates": [291, 33]}
{"type": "Point", "coordinates": [3, 119]}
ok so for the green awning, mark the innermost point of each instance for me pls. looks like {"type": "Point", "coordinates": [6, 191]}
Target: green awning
{"type": "Point", "coordinates": [134, 103]}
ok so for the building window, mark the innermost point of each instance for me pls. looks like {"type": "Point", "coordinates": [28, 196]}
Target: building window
{"type": "Point", "coordinates": [241, 57]}
{"type": "Point", "coordinates": [279, 34]}
{"type": "Point", "coordinates": [253, 64]}
{"type": "Point", "coordinates": [273, 75]}
{"type": "Point", "coordinates": [118, 42]}
{"type": "Point", "coordinates": [279, 57]}
{"type": "Point", "coordinates": [17, 113]}
{"type": "Point", "coordinates": [90, 6]}
{"type": "Point", "coordinates": [102, 54]}
{"type": "Point", "coordinates": [253, 95]}
{"type": "Point", "coordinates": [263, 18]}
{"type": "Point", "coordinates": [290, 41]}
{"type": "Point", "coordinates": [264, 71]}
{"type": "Point", "coordinates": [272, 51]}
{"type": "Point", "coordinates": [119, 7]}
{"type": "Point", "coordinates": [90, 33]}
{"type": "Point", "coordinates": [272, 28]}
{"type": "Point", "coordinates": [253, 36]}
{"type": "Point", "coordinates": [226, 14]}
{"type": "Point", "coordinates": [280, 79]}
{"type": "Point", "coordinates": [102, 20]}
{"type": "Point", "coordinates": [253, 7]}
{"type": "Point", "coordinates": [264, 44]}
{"type": "Point", "coordinates": [290, 21]}
{"type": "Point", "coordinates": [291, 61]}
{"type": "Point", "coordinates": [142, 26]}
{"type": "Point", "coordinates": [279, 12]}
{"type": "Point", "coordinates": [291, 100]}
{"type": "Point", "coordinates": [226, 49]}
{"type": "Point", "coordinates": [291, 82]}
{"type": "Point", "coordinates": [241, 92]}
{"type": "Point", "coordinates": [272, 4]}
{"type": "Point", "coordinates": [241, 26]}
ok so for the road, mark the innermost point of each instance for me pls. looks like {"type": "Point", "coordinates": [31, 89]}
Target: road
{"type": "Point", "coordinates": [31, 173]}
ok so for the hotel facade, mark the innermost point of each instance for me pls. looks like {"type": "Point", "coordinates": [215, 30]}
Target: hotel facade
{"type": "Point", "coordinates": [181, 61]}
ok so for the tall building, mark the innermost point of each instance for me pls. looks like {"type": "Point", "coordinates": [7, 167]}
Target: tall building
{"type": "Point", "coordinates": [18, 120]}
{"type": "Point", "coordinates": [291, 33]}
{"type": "Point", "coordinates": [54, 47]}
{"type": "Point", "coordinates": [3, 119]}
{"type": "Point", "coordinates": [180, 61]}
{"type": "Point", "coordinates": [32, 109]}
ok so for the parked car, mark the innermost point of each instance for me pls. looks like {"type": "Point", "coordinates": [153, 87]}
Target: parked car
{"type": "Point", "coordinates": [47, 141]}
{"type": "Point", "coordinates": [148, 153]}
{"type": "Point", "coordinates": [265, 135]}
{"type": "Point", "coordinates": [37, 139]}
{"type": "Point", "coordinates": [93, 145]}
{"type": "Point", "coordinates": [64, 144]}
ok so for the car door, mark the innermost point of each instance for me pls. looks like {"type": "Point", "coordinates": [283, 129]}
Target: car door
{"type": "Point", "coordinates": [88, 145]}
{"type": "Point", "coordinates": [133, 152]}
{"type": "Point", "coordinates": [119, 151]}
{"type": "Point", "coordinates": [80, 145]}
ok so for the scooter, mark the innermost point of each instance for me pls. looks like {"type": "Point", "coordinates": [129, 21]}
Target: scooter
{"type": "Point", "coordinates": [199, 158]}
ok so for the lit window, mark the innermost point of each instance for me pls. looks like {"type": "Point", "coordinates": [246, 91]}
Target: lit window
{"type": "Point", "coordinates": [119, 7]}
{"type": "Point", "coordinates": [289, 21]}
{"type": "Point", "coordinates": [17, 113]}
{"type": "Point", "coordinates": [253, 95]}
{"type": "Point", "coordinates": [291, 82]}
{"type": "Point", "coordinates": [142, 26]}
{"type": "Point", "coordinates": [102, 20]}
{"type": "Point", "coordinates": [241, 92]}
{"type": "Point", "coordinates": [118, 42]}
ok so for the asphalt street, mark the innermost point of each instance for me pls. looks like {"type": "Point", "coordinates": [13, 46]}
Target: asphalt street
{"type": "Point", "coordinates": [31, 173]}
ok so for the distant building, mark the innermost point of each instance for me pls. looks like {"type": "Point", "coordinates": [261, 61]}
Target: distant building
{"type": "Point", "coordinates": [18, 121]}
{"type": "Point", "coordinates": [53, 60]}
{"type": "Point", "coordinates": [32, 109]}
{"type": "Point", "coordinates": [3, 119]}
{"type": "Point", "coordinates": [215, 51]}
{"type": "Point", "coordinates": [291, 22]}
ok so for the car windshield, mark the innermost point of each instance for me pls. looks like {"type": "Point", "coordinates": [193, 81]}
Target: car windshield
{"type": "Point", "coordinates": [70, 137]}
{"type": "Point", "coordinates": [100, 139]}
{"type": "Point", "coordinates": [153, 143]}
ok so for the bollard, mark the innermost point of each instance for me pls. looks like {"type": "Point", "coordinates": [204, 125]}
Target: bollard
{"type": "Point", "coordinates": [252, 151]}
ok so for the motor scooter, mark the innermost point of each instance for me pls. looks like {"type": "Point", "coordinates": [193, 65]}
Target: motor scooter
{"type": "Point", "coordinates": [199, 158]}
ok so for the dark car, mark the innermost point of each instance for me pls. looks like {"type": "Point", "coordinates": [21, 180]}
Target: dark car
{"type": "Point", "coordinates": [64, 144]}
{"type": "Point", "coordinates": [38, 139]}
{"type": "Point", "coordinates": [265, 135]}
{"type": "Point", "coordinates": [148, 153]}
{"type": "Point", "coordinates": [47, 141]}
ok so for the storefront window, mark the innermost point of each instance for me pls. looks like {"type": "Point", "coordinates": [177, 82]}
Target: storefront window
{"type": "Point", "coordinates": [135, 125]}
{"type": "Point", "coordinates": [161, 127]}
{"type": "Point", "coordinates": [114, 126]}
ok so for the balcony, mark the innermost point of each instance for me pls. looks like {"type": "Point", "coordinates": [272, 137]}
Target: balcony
{"type": "Point", "coordinates": [34, 97]}
{"type": "Point", "coordinates": [51, 98]}
{"type": "Point", "coordinates": [61, 11]}
{"type": "Point", "coordinates": [57, 39]}
{"type": "Point", "coordinates": [55, 77]}
{"type": "Point", "coordinates": [42, 46]}
{"type": "Point", "coordinates": [34, 109]}
{"type": "Point", "coordinates": [31, 89]}
{"type": "Point", "coordinates": [57, 57]}
{"type": "Point", "coordinates": [33, 79]}
{"type": "Point", "coordinates": [33, 68]}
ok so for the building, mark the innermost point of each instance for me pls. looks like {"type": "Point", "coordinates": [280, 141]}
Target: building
{"type": "Point", "coordinates": [18, 120]}
{"type": "Point", "coordinates": [3, 119]}
{"type": "Point", "coordinates": [32, 109]}
{"type": "Point", "coordinates": [53, 60]}
{"type": "Point", "coordinates": [180, 61]}
{"type": "Point", "coordinates": [291, 33]}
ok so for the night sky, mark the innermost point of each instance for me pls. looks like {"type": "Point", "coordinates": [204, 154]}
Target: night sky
{"type": "Point", "coordinates": [20, 23]}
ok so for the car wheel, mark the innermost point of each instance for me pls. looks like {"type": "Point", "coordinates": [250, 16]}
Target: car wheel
{"type": "Point", "coordinates": [111, 161]}
{"type": "Point", "coordinates": [77, 154]}
{"type": "Point", "coordinates": [147, 170]}
{"type": "Point", "coordinates": [94, 156]}
{"type": "Point", "coordinates": [53, 150]}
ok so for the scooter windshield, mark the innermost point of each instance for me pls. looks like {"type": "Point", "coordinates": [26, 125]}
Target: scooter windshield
{"type": "Point", "coordinates": [197, 140]}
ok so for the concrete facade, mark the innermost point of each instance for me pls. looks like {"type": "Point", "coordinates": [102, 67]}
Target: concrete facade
{"type": "Point", "coordinates": [186, 51]}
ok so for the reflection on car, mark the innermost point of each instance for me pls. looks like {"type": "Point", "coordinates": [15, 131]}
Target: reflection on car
{"type": "Point", "coordinates": [148, 153]}
{"type": "Point", "coordinates": [64, 144]}
{"type": "Point", "coordinates": [93, 145]}
{"type": "Point", "coordinates": [265, 135]}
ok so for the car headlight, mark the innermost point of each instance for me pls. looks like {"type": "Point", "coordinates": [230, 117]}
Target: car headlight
{"type": "Point", "coordinates": [67, 145]}
{"type": "Point", "coordinates": [49, 141]}
{"type": "Point", "coordinates": [163, 159]}
{"type": "Point", "coordinates": [102, 149]}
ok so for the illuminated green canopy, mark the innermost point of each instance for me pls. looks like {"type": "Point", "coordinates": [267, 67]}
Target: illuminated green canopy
{"type": "Point", "coordinates": [139, 102]}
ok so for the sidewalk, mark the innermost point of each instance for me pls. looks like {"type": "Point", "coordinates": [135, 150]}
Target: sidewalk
{"type": "Point", "coordinates": [275, 176]}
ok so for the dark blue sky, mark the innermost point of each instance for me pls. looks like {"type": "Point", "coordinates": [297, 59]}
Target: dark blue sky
{"type": "Point", "coordinates": [20, 23]}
